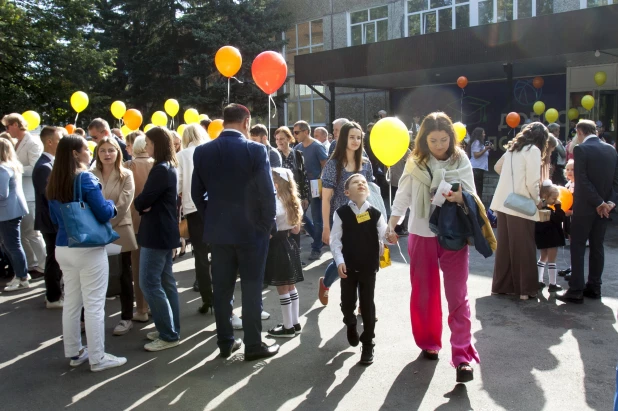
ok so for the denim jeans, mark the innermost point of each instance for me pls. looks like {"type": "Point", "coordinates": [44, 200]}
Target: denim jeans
{"type": "Point", "coordinates": [316, 216]}
{"type": "Point", "coordinates": [331, 274]}
{"type": "Point", "coordinates": [10, 239]}
{"type": "Point", "coordinates": [159, 287]}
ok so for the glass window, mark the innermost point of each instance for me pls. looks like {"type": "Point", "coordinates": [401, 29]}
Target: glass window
{"type": "Point", "coordinates": [357, 35]}
{"type": "Point", "coordinates": [382, 30]}
{"type": "Point", "coordinates": [429, 20]}
{"type": "Point", "coordinates": [505, 10]}
{"type": "Point", "coordinates": [378, 13]}
{"type": "Point", "coordinates": [462, 16]}
{"type": "Point", "coordinates": [290, 36]}
{"type": "Point", "coordinates": [524, 9]}
{"type": "Point", "coordinates": [291, 89]}
{"type": "Point", "coordinates": [316, 49]}
{"type": "Point", "coordinates": [417, 5]}
{"type": "Point", "coordinates": [289, 58]}
{"type": "Point", "coordinates": [292, 112]}
{"type": "Point", "coordinates": [370, 33]}
{"type": "Point", "coordinates": [414, 24]}
{"type": "Point", "coordinates": [319, 111]}
{"type": "Point", "coordinates": [486, 12]}
{"type": "Point", "coordinates": [445, 17]}
{"type": "Point", "coordinates": [595, 3]}
{"type": "Point", "coordinates": [544, 7]}
{"type": "Point", "coordinates": [317, 32]}
{"type": "Point", "coordinates": [434, 4]}
{"type": "Point", "coordinates": [359, 16]}
{"type": "Point", "coordinates": [305, 110]}
{"type": "Point", "coordinates": [303, 35]}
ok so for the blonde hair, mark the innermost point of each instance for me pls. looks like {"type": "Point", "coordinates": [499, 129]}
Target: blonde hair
{"type": "Point", "coordinates": [287, 193]}
{"type": "Point", "coordinates": [15, 118]}
{"type": "Point", "coordinates": [194, 133]}
{"type": "Point", "coordinates": [130, 138]}
{"type": "Point", "coordinates": [139, 145]}
{"type": "Point", "coordinates": [8, 156]}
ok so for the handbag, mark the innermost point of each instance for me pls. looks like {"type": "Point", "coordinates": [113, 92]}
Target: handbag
{"type": "Point", "coordinates": [82, 227]}
{"type": "Point", "coordinates": [183, 227]}
{"type": "Point", "coordinates": [517, 202]}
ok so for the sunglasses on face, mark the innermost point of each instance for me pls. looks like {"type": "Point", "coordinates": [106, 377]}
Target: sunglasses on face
{"type": "Point", "coordinates": [297, 132]}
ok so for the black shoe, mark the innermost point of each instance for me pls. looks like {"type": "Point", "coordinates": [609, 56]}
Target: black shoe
{"type": "Point", "coordinates": [562, 273]}
{"type": "Point", "coordinates": [367, 354]}
{"type": "Point", "coordinates": [233, 348]}
{"type": "Point", "coordinates": [282, 332]}
{"type": "Point", "coordinates": [570, 298]}
{"type": "Point", "coordinates": [430, 355]}
{"type": "Point", "coordinates": [297, 328]}
{"type": "Point", "coordinates": [264, 351]}
{"type": "Point", "coordinates": [541, 285]}
{"type": "Point", "coordinates": [353, 337]}
{"type": "Point", "coordinates": [554, 288]}
{"type": "Point", "coordinates": [204, 309]}
{"type": "Point", "coordinates": [589, 293]}
{"type": "Point", "coordinates": [196, 286]}
{"type": "Point", "coordinates": [567, 277]}
{"type": "Point", "coordinates": [465, 373]}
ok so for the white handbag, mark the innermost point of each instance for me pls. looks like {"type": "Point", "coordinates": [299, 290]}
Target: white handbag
{"type": "Point", "coordinates": [517, 202]}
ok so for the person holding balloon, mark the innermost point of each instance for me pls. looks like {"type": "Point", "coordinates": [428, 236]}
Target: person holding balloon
{"type": "Point", "coordinates": [549, 235]}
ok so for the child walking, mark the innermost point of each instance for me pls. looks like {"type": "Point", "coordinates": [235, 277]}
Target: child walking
{"type": "Point", "coordinates": [569, 172]}
{"type": "Point", "coordinates": [283, 266]}
{"type": "Point", "coordinates": [549, 235]}
{"type": "Point", "coordinates": [356, 243]}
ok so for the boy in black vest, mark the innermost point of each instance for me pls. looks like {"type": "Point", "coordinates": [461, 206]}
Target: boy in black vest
{"type": "Point", "coordinates": [356, 243]}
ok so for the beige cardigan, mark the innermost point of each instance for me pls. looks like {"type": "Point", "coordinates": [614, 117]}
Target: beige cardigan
{"type": "Point", "coordinates": [526, 179]}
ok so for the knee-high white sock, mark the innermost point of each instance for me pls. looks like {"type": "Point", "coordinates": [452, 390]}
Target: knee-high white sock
{"type": "Point", "coordinates": [295, 304]}
{"type": "Point", "coordinates": [553, 272]}
{"type": "Point", "coordinates": [286, 310]}
{"type": "Point", "coordinates": [540, 265]}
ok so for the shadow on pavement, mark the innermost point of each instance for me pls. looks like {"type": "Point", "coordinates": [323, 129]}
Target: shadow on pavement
{"type": "Point", "coordinates": [410, 387]}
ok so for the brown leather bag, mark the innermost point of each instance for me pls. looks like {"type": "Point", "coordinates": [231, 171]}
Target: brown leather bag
{"type": "Point", "coordinates": [183, 227]}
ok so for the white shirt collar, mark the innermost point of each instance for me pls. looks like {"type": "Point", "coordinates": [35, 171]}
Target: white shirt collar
{"type": "Point", "coordinates": [357, 210]}
{"type": "Point", "coordinates": [589, 137]}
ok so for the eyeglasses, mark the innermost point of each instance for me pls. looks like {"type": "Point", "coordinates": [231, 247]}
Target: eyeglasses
{"type": "Point", "coordinates": [297, 132]}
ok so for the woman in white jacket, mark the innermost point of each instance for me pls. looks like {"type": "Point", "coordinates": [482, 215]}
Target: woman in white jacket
{"type": "Point", "coordinates": [515, 269]}
{"type": "Point", "coordinates": [193, 136]}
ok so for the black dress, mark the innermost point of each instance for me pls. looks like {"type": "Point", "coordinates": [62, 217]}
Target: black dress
{"type": "Point", "coordinates": [283, 265]}
{"type": "Point", "coordinates": [549, 234]}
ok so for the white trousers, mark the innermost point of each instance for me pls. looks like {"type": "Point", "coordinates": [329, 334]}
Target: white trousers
{"type": "Point", "coordinates": [32, 240]}
{"type": "Point", "coordinates": [85, 272]}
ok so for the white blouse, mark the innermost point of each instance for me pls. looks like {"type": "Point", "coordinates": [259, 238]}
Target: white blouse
{"type": "Point", "coordinates": [282, 217]}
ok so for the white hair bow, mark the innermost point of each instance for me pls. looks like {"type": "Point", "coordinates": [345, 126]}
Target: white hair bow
{"type": "Point", "coordinates": [284, 173]}
{"type": "Point", "coordinates": [547, 183]}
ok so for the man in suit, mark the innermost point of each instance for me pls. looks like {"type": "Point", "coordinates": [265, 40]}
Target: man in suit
{"type": "Point", "coordinates": [50, 137]}
{"type": "Point", "coordinates": [99, 129]}
{"type": "Point", "coordinates": [596, 173]}
{"type": "Point", "coordinates": [28, 150]}
{"type": "Point", "coordinates": [233, 190]}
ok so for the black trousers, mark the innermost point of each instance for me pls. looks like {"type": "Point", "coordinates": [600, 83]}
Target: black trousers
{"type": "Point", "coordinates": [126, 287]}
{"type": "Point", "coordinates": [479, 175]}
{"type": "Point", "coordinates": [200, 250]}
{"type": "Point", "coordinates": [53, 273]}
{"type": "Point", "coordinates": [592, 228]}
{"type": "Point", "coordinates": [364, 284]}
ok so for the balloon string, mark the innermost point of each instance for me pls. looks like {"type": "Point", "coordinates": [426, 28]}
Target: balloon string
{"type": "Point", "coordinates": [390, 202]}
{"type": "Point", "coordinates": [274, 105]}
{"type": "Point", "coordinates": [228, 90]}
{"type": "Point", "coordinates": [77, 115]}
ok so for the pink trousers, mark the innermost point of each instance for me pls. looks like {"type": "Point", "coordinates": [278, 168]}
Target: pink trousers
{"type": "Point", "coordinates": [426, 259]}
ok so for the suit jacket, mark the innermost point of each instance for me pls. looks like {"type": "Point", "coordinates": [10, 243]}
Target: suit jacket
{"type": "Point", "coordinates": [121, 192]}
{"type": "Point", "coordinates": [28, 151]}
{"type": "Point", "coordinates": [596, 175]}
{"type": "Point", "coordinates": [159, 226]}
{"type": "Point", "coordinates": [40, 177]}
{"type": "Point", "coordinates": [235, 175]}
{"type": "Point", "coordinates": [12, 201]}
{"type": "Point", "coordinates": [140, 166]}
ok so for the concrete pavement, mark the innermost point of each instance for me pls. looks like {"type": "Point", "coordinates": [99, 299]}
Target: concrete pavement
{"type": "Point", "coordinates": [536, 355]}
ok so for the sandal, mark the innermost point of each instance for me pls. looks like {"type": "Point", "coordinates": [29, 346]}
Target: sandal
{"type": "Point", "coordinates": [465, 372]}
{"type": "Point", "coordinates": [430, 354]}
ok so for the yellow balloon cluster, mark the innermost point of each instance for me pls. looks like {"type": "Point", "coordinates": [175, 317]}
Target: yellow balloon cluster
{"type": "Point", "coordinates": [159, 119]}
{"type": "Point", "coordinates": [125, 130]}
{"type": "Point", "coordinates": [389, 140]}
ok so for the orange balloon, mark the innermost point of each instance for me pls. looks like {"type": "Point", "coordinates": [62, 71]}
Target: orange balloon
{"type": "Point", "coordinates": [133, 119]}
{"type": "Point", "coordinates": [513, 119]}
{"type": "Point", "coordinates": [70, 128]}
{"type": "Point", "coordinates": [462, 82]}
{"type": "Point", "coordinates": [215, 128]}
{"type": "Point", "coordinates": [566, 198]}
{"type": "Point", "coordinates": [538, 82]}
{"type": "Point", "coordinates": [228, 61]}
{"type": "Point", "coordinates": [269, 71]}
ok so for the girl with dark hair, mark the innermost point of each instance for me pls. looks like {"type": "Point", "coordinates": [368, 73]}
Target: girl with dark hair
{"type": "Point", "coordinates": [347, 159]}
{"type": "Point", "coordinates": [85, 270]}
{"type": "Point", "coordinates": [515, 267]}
{"type": "Point", "coordinates": [158, 236]}
{"type": "Point", "coordinates": [436, 158]}
{"type": "Point", "coordinates": [479, 155]}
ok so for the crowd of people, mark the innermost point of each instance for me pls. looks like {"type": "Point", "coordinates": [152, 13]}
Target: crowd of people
{"type": "Point", "coordinates": [242, 203]}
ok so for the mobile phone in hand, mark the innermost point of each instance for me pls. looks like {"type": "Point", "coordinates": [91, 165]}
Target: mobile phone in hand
{"type": "Point", "coordinates": [455, 187]}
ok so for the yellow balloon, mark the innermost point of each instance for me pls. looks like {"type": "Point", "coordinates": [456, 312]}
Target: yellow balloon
{"type": "Point", "coordinates": [539, 108]}
{"type": "Point", "coordinates": [588, 102]}
{"type": "Point", "coordinates": [125, 130]}
{"type": "Point", "coordinates": [573, 114]}
{"type": "Point", "coordinates": [91, 146]}
{"type": "Point", "coordinates": [389, 140]}
{"type": "Point", "coordinates": [460, 131]}
{"type": "Point", "coordinates": [148, 127]}
{"type": "Point", "coordinates": [600, 77]}
{"type": "Point", "coordinates": [192, 116]}
{"type": "Point", "coordinates": [32, 118]}
{"type": "Point", "coordinates": [204, 117]}
{"type": "Point", "coordinates": [181, 129]}
{"type": "Point", "coordinates": [118, 109]}
{"type": "Point", "coordinates": [79, 101]}
{"type": "Point", "coordinates": [552, 115]}
{"type": "Point", "coordinates": [159, 119]}
{"type": "Point", "coordinates": [171, 107]}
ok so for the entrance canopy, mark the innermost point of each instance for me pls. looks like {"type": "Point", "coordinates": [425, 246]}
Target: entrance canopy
{"type": "Point", "coordinates": [541, 45]}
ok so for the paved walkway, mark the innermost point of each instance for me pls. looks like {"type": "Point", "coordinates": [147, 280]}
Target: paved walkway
{"type": "Point", "coordinates": [536, 355]}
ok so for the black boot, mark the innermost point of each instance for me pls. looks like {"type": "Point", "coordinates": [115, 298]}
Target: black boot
{"type": "Point", "coordinates": [353, 337]}
{"type": "Point", "coordinates": [367, 354]}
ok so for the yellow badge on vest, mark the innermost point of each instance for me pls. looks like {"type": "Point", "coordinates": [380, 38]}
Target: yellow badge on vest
{"type": "Point", "coordinates": [362, 217]}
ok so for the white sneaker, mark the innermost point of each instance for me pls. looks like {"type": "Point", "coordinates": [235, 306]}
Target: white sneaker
{"type": "Point", "coordinates": [54, 304]}
{"type": "Point", "coordinates": [236, 322]}
{"type": "Point", "coordinates": [153, 335]}
{"type": "Point", "coordinates": [160, 345]}
{"type": "Point", "coordinates": [17, 284]}
{"type": "Point", "coordinates": [80, 359]}
{"type": "Point", "coordinates": [108, 361]}
{"type": "Point", "coordinates": [123, 327]}
{"type": "Point", "coordinates": [142, 318]}
{"type": "Point", "coordinates": [265, 316]}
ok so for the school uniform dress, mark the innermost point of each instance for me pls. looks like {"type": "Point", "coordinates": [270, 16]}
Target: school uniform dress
{"type": "Point", "coordinates": [549, 234]}
{"type": "Point", "coordinates": [283, 266]}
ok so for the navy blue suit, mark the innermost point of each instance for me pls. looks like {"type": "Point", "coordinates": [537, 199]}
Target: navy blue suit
{"type": "Point", "coordinates": [233, 190]}
{"type": "Point", "coordinates": [596, 181]}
